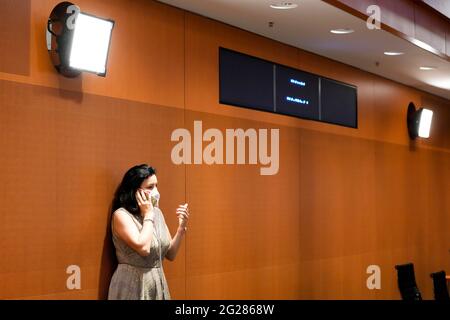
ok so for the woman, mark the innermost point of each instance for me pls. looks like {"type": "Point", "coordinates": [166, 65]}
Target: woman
{"type": "Point", "coordinates": [142, 238]}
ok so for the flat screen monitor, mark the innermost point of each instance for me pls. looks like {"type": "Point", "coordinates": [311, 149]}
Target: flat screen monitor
{"type": "Point", "coordinates": [250, 82]}
{"type": "Point", "coordinates": [297, 93]}
{"type": "Point", "coordinates": [245, 81]}
{"type": "Point", "coordinates": [338, 103]}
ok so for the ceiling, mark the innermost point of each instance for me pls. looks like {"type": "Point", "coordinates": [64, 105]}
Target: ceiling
{"type": "Point", "coordinates": [308, 27]}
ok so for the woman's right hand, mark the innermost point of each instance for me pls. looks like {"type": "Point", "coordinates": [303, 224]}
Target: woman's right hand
{"type": "Point", "coordinates": [145, 204]}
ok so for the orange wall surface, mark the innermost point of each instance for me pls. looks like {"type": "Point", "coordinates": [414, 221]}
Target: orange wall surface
{"type": "Point", "coordinates": [343, 199]}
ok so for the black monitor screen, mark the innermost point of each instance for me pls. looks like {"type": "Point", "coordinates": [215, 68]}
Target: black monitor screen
{"type": "Point", "coordinates": [338, 102]}
{"type": "Point", "coordinates": [250, 82]}
{"type": "Point", "coordinates": [297, 93]}
{"type": "Point", "coordinates": [245, 81]}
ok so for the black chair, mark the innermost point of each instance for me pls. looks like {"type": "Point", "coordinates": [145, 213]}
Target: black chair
{"type": "Point", "coordinates": [407, 282]}
{"type": "Point", "coordinates": [440, 286]}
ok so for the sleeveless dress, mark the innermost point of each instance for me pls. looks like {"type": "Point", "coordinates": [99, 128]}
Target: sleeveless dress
{"type": "Point", "coordinates": [137, 277]}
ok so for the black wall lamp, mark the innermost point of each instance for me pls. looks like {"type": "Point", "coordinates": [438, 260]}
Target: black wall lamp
{"type": "Point", "coordinates": [78, 41]}
{"type": "Point", "coordinates": [419, 121]}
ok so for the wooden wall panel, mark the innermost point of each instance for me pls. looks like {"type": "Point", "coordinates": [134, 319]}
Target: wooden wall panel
{"type": "Point", "coordinates": [66, 158]}
{"type": "Point", "coordinates": [236, 233]}
{"type": "Point", "coordinates": [15, 36]}
{"type": "Point", "coordinates": [330, 169]}
{"type": "Point", "coordinates": [277, 282]}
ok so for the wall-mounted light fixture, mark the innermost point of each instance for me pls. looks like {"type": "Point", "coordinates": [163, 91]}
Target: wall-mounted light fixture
{"type": "Point", "coordinates": [419, 122]}
{"type": "Point", "coordinates": [77, 41]}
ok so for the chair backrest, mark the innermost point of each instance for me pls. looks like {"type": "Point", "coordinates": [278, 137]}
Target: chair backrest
{"type": "Point", "coordinates": [407, 282]}
{"type": "Point", "coordinates": [440, 286]}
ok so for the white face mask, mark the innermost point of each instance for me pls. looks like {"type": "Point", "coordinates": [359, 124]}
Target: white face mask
{"type": "Point", "coordinates": [154, 196]}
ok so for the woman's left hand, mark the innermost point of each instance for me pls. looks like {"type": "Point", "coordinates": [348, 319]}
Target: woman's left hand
{"type": "Point", "coordinates": [183, 215]}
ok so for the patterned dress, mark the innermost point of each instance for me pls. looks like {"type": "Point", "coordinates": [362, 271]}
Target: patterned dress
{"type": "Point", "coordinates": [137, 277]}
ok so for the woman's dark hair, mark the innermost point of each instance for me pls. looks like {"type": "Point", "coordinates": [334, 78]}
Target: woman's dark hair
{"type": "Point", "coordinates": [132, 180]}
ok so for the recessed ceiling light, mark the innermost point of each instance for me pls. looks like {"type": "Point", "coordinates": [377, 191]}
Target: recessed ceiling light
{"type": "Point", "coordinates": [393, 53]}
{"type": "Point", "coordinates": [428, 68]}
{"type": "Point", "coordinates": [284, 5]}
{"type": "Point", "coordinates": [342, 31]}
